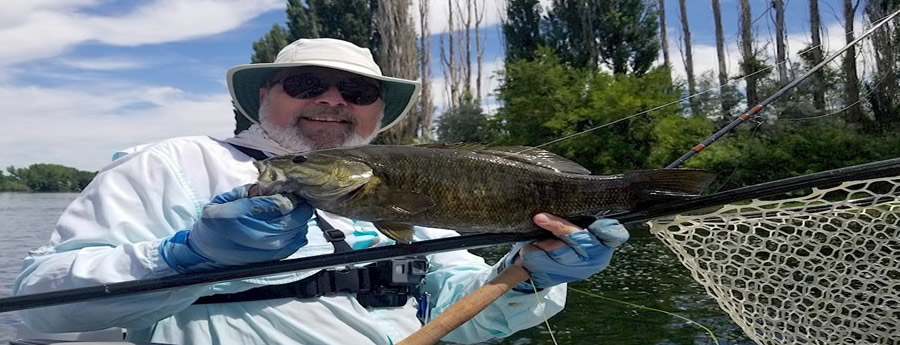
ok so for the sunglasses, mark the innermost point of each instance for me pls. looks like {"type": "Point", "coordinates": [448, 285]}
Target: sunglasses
{"type": "Point", "coordinates": [354, 90]}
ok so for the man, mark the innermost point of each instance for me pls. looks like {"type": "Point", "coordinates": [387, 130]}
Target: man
{"type": "Point", "coordinates": [181, 206]}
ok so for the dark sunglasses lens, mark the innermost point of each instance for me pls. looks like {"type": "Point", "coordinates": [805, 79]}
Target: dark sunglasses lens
{"type": "Point", "coordinates": [359, 92]}
{"type": "Point", "coordinates": [303, 86]}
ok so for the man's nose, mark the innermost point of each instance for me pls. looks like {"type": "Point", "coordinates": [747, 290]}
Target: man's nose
{"type": "Point", "coordinates": [331, 96]}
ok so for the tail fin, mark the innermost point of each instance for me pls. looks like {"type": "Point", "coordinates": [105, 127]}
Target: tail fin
{"type": "Point", "coordinates": [668, 184]}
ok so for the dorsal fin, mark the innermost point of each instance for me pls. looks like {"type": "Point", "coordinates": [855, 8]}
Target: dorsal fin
{"type": "Point", "coordinates": [523, 154]}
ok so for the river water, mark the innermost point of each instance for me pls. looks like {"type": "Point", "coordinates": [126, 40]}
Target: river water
{"type": "Point", "coordinates": [643, 272]}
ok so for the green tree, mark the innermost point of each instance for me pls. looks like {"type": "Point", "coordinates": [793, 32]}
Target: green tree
{"type": "Point", "coordinates": [48, 178]}
{"type": "Point", "coordinates": [351, 20]}
{"type": "Point", "coordinates": [544, 100]}
{"type": "Point", "coordinates": [267, 48]}
{"type": "Point", "coordinates": [621, 34]}
{"type": "Point", "coordinates": [466, 123]}
{"type": "Point", "coordinates": [522, 29]}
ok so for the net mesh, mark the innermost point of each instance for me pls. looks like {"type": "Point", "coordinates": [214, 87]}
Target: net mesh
{"type": "Point", "coordinates": [820, 266]}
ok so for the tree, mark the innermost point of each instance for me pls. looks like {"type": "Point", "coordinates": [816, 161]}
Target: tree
{"type": "Point", "coordinates": [851, 81]}
{"type": "Point", "coordinates": [885, 42]}
{"type": "Point", "coordinates": [620, 34]}
{"type": "Point", "coordinates": [663, 32]}
{"type": "Point", "coordinates": [688, 57]}
{"type": "Point", "coordinates": [780, 49]}
{"type": "Point", "coordinates": [816, 55]}
{"type": "Point", "coordinates": [398, 59]}
{"type": "Point", "coordinates": [749, 64]}
{"type": "Point", "coordinates": [546, 99]}
{"type": "Point", "coordinates": [426, 108]}
{"type": "Point", "coordinates": [46, 178]}
{"type": "Point", "coordinates": [349, 20]}
{"type": "Point", "coordinates": [726, 103]}
{"type": "Point", "coordinates": [466, 123]}
{"type": "Point", "coordinates": [521, 29]}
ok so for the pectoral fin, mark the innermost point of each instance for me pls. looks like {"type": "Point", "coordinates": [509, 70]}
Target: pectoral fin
{"type": "Point", "coordinates": [400, 232]}
{"type": "Point", "coordinates": [408, 203]}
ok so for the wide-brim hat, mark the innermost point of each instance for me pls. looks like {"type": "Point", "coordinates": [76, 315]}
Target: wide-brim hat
{"type": "Point", "coordinates": [244, 81]}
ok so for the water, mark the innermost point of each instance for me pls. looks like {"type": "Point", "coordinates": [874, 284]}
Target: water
{"type": "Point", "coordinates": [643, 272]}
{"type": "Point", "coordinates": [26, 221]}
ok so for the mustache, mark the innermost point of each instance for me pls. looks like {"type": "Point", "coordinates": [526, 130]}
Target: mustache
{"type": "Point", "coordinates": [340, 113]}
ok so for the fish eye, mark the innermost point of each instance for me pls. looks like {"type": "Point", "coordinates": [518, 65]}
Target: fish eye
{"type": "Point", "coordinates": [299, 159]}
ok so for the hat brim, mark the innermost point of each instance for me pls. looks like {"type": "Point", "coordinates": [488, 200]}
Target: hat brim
{"type": "Point", "coordinates": [244, 82]}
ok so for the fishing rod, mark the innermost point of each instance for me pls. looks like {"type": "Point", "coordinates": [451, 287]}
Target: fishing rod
{"type": "Point", "coordinates": [756, 109]}
{"type": "Point", "coordinates": [859, 172]}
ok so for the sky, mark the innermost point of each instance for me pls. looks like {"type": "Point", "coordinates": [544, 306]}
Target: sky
{"type": "Point", "coordinates": [82, 79]}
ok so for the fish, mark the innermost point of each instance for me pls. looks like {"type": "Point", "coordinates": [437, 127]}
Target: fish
{"type": "Point", "coordinates": [469, 188]}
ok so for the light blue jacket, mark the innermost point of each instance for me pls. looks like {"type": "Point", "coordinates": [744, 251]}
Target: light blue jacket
{"type": "Point", "coordinates": [111, 231]}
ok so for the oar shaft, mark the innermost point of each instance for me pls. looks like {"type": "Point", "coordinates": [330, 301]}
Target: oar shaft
{"type": "Point", "coordinates": [466, 308]}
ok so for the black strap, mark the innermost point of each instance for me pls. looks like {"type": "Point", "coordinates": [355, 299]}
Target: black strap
{"type": "Point", "coordinates": [254, 153]}
{"type": "Point", "coordinates": [334, 236]}
{"type": "Point", "coordinates": [325, 282]}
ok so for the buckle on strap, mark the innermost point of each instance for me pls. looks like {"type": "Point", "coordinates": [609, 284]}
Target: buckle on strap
{"type": "Point", "coordinates": [327, 282]}
{"type": "Point", "coordinates": [334, 235]}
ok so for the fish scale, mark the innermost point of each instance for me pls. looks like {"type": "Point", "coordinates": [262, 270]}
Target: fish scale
{"type": "Point", "coordinates": [470, 189]}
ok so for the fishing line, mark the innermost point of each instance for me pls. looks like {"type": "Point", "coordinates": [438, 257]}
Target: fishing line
{"type": "Point", "coordinates": [731, 82]}
{"type": "Point", "coordinates": [638, 306]}
{"type": "Point", "coordinates": [543, 312]}
{"type": "Point", "coordinates": [860, 100]}
{"type": "Point", "coordinates": [756, 109]}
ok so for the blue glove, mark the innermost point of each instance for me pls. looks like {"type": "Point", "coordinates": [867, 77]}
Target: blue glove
{"type": "Point", "coordinates": [235, 229]}
{"type": "Point", "coordinates": [586, 253]}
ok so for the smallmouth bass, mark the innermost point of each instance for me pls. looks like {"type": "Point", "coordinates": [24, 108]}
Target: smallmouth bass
{"type": "Point", "coordinates": [464, 187]}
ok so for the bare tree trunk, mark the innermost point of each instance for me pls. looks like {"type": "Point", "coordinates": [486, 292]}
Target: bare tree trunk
{"type": "Point", "coordinates": [479, 46]}
{"type": "Point", "coordinates": [780, 55]}
{"type": "Point", "coordinates": [465, 47]}
{"type": "Point", "coordinates": [720, 53]}
{"type": "Point", "coordinates": [663, 35]}
{"type": "Point", "coordinates": [427, 107]}
{"type": "Point", "coordinates": [818, 78]}
{"type": "Point", "coordinates": [451, 66]}
{"type": "Point", "coordinates": [851, 84]}
{"type": "Point", "coordinates": [688, 58]}
{"type": "Point", "coordinates": [883, 44]}
{"type": "Point", "coordinates": [587, 23]}
{"type": "Point", "coordinates": [397, 57]}
{"type": "Point", "coordinates": [749, 62]}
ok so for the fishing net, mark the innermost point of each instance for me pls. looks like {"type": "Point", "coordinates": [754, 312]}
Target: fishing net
{"type": "Point", "coordinates": [819, 266]}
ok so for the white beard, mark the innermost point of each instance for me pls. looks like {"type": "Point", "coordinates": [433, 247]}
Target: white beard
{"type": "Point", "coordinates": [289, 138]}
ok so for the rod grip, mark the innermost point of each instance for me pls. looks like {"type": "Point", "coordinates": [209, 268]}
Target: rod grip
{"type": "Point", "coordinates": [466, 308]}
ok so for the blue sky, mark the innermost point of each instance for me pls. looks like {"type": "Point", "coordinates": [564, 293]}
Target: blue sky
{"type": "Point", "coordinates": [81, 79]}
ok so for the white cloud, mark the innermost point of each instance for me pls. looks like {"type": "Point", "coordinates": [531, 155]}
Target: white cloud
{"type": "Point", "coordinates": [439, 13]}
{"type": "Point", "coordinates": [82, 127]}
{"type": "Point", "coordinates": [47, 28]}
{"type": "Point", "coordinates": [705, 58]}
{"type": "Point", "coordinates": [109, 63]}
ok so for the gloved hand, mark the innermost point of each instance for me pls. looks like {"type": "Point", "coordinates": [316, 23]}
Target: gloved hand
{"type": "Point", "coordinates": [576, 255]}
{"type": "Point", "coordinates": [235, 230]}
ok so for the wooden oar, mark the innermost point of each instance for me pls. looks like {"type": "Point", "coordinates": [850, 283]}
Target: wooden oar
{"type": "Point", "coordinates": [466, 308]}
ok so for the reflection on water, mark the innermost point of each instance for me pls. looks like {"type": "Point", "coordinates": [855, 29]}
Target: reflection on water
{"type": "Point", "coordinates": [26, 221]}
{"type": "Point", "coordinates": [643, 272]}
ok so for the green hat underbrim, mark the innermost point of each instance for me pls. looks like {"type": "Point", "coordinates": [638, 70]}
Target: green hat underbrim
{"type": "Point", "coordinates": [245, 81]}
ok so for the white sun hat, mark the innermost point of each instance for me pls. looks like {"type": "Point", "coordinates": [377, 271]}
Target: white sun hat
{"type": "Point", "coordinates": [244, 81]}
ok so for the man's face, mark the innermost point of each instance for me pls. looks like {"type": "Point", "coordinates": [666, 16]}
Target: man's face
{"type": "Point", "coordinates": [315, 119]}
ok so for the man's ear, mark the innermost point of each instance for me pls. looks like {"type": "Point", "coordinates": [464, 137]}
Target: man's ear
{"type": "Point", "coordinates": [262, 94]}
